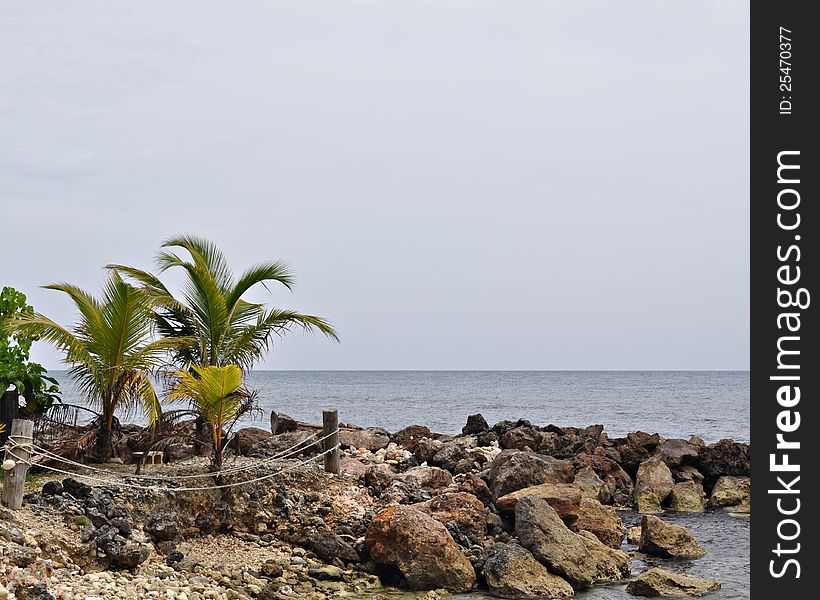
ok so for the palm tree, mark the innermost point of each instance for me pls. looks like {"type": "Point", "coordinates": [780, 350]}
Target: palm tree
{"type": "Point", "coordinates": [110, 350]}
{"type": "Point", "coordinates": [210, 320]}
{"type": "Point", "coordinates": [215, 393]}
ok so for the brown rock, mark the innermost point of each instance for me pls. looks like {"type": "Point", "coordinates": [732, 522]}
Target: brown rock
{"type": "Point", "coordinates": [669, 541]}
{"type": "Point", "coordinates": [248, 437]}
{"type": "Point", "coordinates": [687, 496]}
{"type": "Point", "coordinates": [372, 438]}
{"type": "Point", "coordinates": [731, 492]}
{"type": "Point", "coordinates": [652, 485]}
{"type": "Point", "coordinates": [513, 470]}
{"type": "Point", "coordinates": [512, 572]}
{"type": "Point", "coordinates": [564, 498]}
{"type": "Point", "coordinates": [602, 521]}
{"type": "Point", "coordinates": [461, 508]}
{"type": "Point", "coordinates": [659, 583]}
{"type": "Point", "coordinates": [425, 478]}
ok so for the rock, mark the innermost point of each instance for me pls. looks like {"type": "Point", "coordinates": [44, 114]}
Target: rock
{"type": "Point", "coordinates": [426, 448]}
{"type": "Point", "coordinates": [248, 437]}
{"type": "Point", "coordinates": [675, 453]}
{"type": "Point", "coordinates": [464, 510]}
{"type": "Point", "coordinates": [592, 486]}
{"type": "Point", "coordinates": [633, 534]}
{"type": "Point", "coordinates": [285, 442]}
{"type": "Point", "coordinates": [512, 572]}
{"type": "Point", "coordinates": [372, 438]}
{"type": "Point", "coordinates": [282, 423]}
{"type": "Point", "coordinates": [669, 541]}
{"type": "Point", "coordinates": [52, 488]}
{"type": "Point", "coordinates": [687, 473]}
{"type": "Point", "coordinates": [19, 555]}
{"type": "Point", "coordinates": [659, 583]}
{"type": "Point", "coordinates": [163, 527]}
{"type": "Point", "coordinates": [513, 470]}
{"type": "Point", "coordinates": [409, 436]}
{"type": "Point", "coordinates": [578, 559]}
{"type": "Point", "coordinates": [636, 448]}
{"type": "Point", "coordinates": [326, 573]}
{"type": "Point", "coordinates": [353, 466]}
{"type": "Point", "coordinates": [725, 457]}
{"type": "Point", "coordinates": [425, 478]}
{"type": "Point", "coordinates": [32, 592]}
{"type": "Point", "coordinates": [652, 485]}
{"type": "Point", "coordinates": [329, 546]}
{"type": "Point", "coordinates": [379, 476]}
{"type": "Point", "coordinates": [519, 438]}
{"type": "Point", "coordinates": [473, 484]}
{"type": "Point", "coordinates": [564, 498]}
{"type": "Point", "coordinates": [687, 496]}
{"type": "Point", "coordinates": [731, 491]}
{"type": "Point", "coordinates": [618, 486]}
{"type": "Point", "coordinates": [421, 548]}
{"type": "Point", "coordinates": [127, 555]}
{"type": "Point", "coordinates": [602, 521]}
{"type": "Point", "coordinates": [76, 489]}
{"type": "Point", "coordinates": [452, 452]}
{"type": "Point", "coordinates": [475, 424]}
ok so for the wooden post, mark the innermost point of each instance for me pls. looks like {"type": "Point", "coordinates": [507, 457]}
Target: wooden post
{"type": "Point", "coordinates": [9, 406]}
{"type": "Point", "coordinates": [330, 425]}
{"type": "Point", "coordinates": [15, 481]}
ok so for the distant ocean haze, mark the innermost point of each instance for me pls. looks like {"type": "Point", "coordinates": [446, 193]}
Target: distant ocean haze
{"type": "Point", "coordinates": [710, 404]}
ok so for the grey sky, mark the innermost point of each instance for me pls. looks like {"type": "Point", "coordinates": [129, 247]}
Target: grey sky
{"type": "Point", "coordinates": [458, 184]}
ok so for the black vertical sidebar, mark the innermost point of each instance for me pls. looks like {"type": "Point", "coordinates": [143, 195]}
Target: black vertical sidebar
{"type": "Point", "coordinates": [785, 224]}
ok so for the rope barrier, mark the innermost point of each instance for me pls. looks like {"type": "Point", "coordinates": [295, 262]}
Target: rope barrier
{"type": "Point", "coordinates": [12, 443]}
{"type": "Point", "coordinates": [191, 489]}
{"type": "Point", "coordinates": [287, 453]}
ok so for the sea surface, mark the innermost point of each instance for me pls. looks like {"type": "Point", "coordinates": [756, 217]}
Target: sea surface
{"type": "Point", "coordinates": [710, 404]}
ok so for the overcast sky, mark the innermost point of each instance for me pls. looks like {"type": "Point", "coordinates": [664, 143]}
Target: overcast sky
{"type": "Point", "coordinates": [457, 184]}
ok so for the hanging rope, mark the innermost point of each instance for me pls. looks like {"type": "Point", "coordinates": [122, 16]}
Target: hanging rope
{"type": "Point", "coordinates": [287, 453]}
{"type": "Point", "coordinates": [154, 488]}
{"type": "Point", "coordinates": [12, 444]}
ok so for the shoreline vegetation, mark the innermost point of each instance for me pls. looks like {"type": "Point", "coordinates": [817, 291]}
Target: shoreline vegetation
{"type": "Point", "coordinates": [193, 507]}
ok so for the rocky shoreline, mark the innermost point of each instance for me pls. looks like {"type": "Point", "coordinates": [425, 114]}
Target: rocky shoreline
{"type": "Point", "coordinates": [514, 510]}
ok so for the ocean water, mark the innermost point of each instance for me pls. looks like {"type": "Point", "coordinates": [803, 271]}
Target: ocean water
{"type": "Point", "coordinates": [710, 404]}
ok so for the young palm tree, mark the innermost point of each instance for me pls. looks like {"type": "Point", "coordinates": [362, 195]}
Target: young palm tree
{"type": "Point", "coordinates": [110, 350]}
{"type": "Point", "coordinates": [215, 393]}
{"type": "Point", "coordinates": [211, 321]}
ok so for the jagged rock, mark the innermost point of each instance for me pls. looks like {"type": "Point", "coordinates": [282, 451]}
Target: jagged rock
{"type": "Point", "coordinates": [421, 548]}
{"type": "Point", "coordinates": [564, 498]}
{"type": "Point", "coordinates": [659, 583]}
{"type": "Point", "coordinates": [731, 491]}
{"type": "Point", "coordinates": [425, 478]}
{"type": "Point", "coordinates": [652, 485]}
{"type": "Point", "coordinates": [329, 546]}
{"type": "Point", "coordinates": [633, 534]}
{"type": "Point", "coordinates": [52, 488]}
{"type": "Point", "coordinates": [463, 509]}
{"type": "Point", "coordinates": [76, 489]}
{"type": "Point", "coordinates": [512, 572]}
{"type": "Point", "coordinates": [379, 476]}
{"type": "Point", "coordinates": [677, 452]}
{"type": "Point", "coordinates": [636, 448]}
{"type": "Point", "coordinates": [725, 457]}
{"type": "Point", "coordinates": [513, 470]}
{"type": "Point", "coordinates": [20, 555]}
{"type": "Point", "coordinates": [410, 436]}
{"type": "Point", "coordinates": [519, 438]}
{"type": "Point", "coordinates": [452, 452]}
{"type": "Point", "coordinates": [162, 527]}
{"type": "Point", "coordinates": [371, 438]}
{"type": "Point", "coordinates": [286, 441]}
{"type": "Point", "coordinates": [426, 448]}
{"type": "Point", "coordinates": [248, 437]}
{"type": "Point", "coordinates": [669, 541]}
{"type": "Point", "coordinates": [602, 521]}
{"type": "Point", "coordinates": [282, 423]}
{"type": "Point", "coordinates": [687, 473]}
{"type": "Point", "coordinates": [579, 558]}
{"type": "Point", "coordinates": [127, 555]}
{"type": "Point", "coordinates": [687, 496]}
{"type": "Point", "coordinates": [475, 424]}
{"type": "Point", "coordinates": [473, 484]}
{"type": "Point", "coordinates": [353, 466]}
{"type": "Point", "coordinates": [592, 486]}
{"type": "Point", "coordinates": [32, 592]}
{"type": "Point", "coordinates": [618, 486]}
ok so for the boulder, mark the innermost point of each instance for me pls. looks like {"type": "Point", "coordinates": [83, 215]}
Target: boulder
{"type": "Point", "coordinates": [592, 486]}
{"type": "Point", "coordinates": [353, 466]}
{"type": "Point", "coordinates": [421, 548]}
{"type": "Point", "coordinates": [580, 559]}
{"type": "Point", "coordinates": [127, 555]}
{"type": "Point", "coordinates": [659, 583]}
{"type": "Point", "coordinates": [473, 484]}
{"type": "Point", "coordinates": [618, 488]}
{"type": "Point", "coordinates": [76, 489]}
{"type": "Point", "coordinates": [731, 491]}
{"type": "Point", "coordinates": [513, 470]}
{"type": "Point", "coordinates": [460, 508]}
{"type": "Point", "coordinates": [564, 498]}
{"type": "Point", "coordinates": [409, 436]}
{"type": "Point", "coordinates": [248, 437]}
{"type": "Point", "coordinates": [687, 496]}
{"type": "Point", "coordinates": [426, 448]}
{"type": "Point", "coordinates": [519, 438]}
{"type": "Point", "coordinates": [475, 424]}
{"type": "Point", "coordinates": [453, 452]}
{"type": "Point", "coordinates": [652, 485]}
{"type": "Point", "coordinates": [294, 443]}
{"type": "Point", "coordinates": [633, 534]}
{"type": "Point", "coordinates": [601, 521]}
{"type": "Point", "coordinates": [372, 438]}
{"type": "Point", "coordinates": [512, 572]}
{"type": "Point", "coordinates": [677, 452]}
{"type": "Point", "coordinates": [425, 478]}
{"type": "Point", "coordinates": [329, 546]}
{"type": "Point", "coordinates": [282, 423]}
{"type": "Point", "coordinates": [52, 488]}
{"type": "Point", "coordinates": [379, 476]}
{"type": "Point", "coordinates": [687, 473]}
{"type": "Point", "coordinates": [636, 448]}
{"type": "Point", "coordinates": [725, 457]}
{"type": "Point", "coordinates": [666, 540]}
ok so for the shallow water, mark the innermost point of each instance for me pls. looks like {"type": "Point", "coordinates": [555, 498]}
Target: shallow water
{"type": "Point", "coordinates": [711, 404]}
